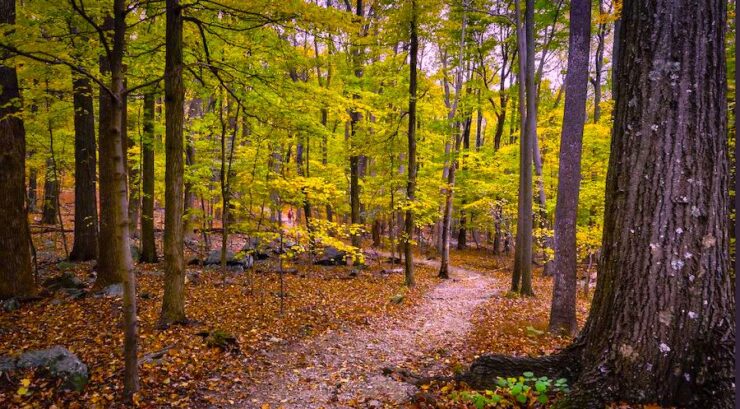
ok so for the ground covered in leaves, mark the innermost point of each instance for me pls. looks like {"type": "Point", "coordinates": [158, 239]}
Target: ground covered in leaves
{"type": "Point", "coordinates": [345, 337]}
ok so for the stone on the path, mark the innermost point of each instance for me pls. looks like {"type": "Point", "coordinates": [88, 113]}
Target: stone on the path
{"type": "Point", "coordinates": [58, 360]}
{"type": "Point", "coordinates": [397, 299]}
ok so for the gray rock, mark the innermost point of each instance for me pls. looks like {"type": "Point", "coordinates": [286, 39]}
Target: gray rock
{"type": "Point", "coordinates": [332, 257]}
{"type": "Point", "coordinates": [113, 290]}
{"type": "Point", "coordinates": [11, 304]}
{"type": "Point", "coordinates": [59, 361]}
{"type": "Point", "coordinates": [241, 260]}
{"type": "Point", "coordinates": [135, 253]}
{"type": "Point", "coordinates": [214, 257]}
{"type": "Point", "coordinates": [65, 280]}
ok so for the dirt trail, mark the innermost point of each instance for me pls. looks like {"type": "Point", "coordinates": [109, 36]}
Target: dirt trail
{"type": "Point", "coordinates": [341, 369]}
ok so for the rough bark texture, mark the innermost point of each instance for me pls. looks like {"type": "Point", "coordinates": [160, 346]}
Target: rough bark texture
{"type": "Point", "coordinates": [411, 182]}
{"type": "Point", "coordinates": [109, 155]}
{"type": "Point", "coordinates": [16, 278]}
{"type": "Point", "coordinates": [148, 246]}
{"type": "Point", "coordinates": [173, 302]}
{"type": "Point", "coordinates": [522, 275]}
{"type": "Point", "coordinates": [85, 245]}
{"type": "Point", "coordinates": [563, 311]}
{"type": "Point", "coordinates": [660, 328]}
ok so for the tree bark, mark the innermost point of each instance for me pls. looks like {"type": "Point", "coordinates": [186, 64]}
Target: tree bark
{"type": "Point", "coordinates": [411, 182]}
{"type": "Point", "coordinates": [148, 244]}
{"type": "Point", "coordinates": [563, 310]}
{"type": "Point", "coordinates": [173, 302]}
{"type": "Point", "coordinates": [51, 194]}
{"type": "Point", "coordinates": [522, 275]}
{"type": "Point", "coordinates": [660, 328]}
{"type": "Point", "coordinates": [16, 277]}
{"type": "Point", "coordinates": [599, 63]}
{"type": "Point", "coordinates": [85, 245]}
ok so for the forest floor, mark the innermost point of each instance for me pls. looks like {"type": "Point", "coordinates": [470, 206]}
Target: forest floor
{"type": "Point", "coordinates": [328, 345]}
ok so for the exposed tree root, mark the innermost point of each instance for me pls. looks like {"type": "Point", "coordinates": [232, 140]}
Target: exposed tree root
{"type": "Point", "coordinates": [484, 370]}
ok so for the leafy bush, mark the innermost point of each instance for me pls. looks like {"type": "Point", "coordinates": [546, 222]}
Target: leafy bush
{"type": "Point", "coordinates": [524, 391]}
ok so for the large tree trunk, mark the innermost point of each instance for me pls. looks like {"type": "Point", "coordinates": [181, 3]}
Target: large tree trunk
{"type": "Point", "coordinates": [85, 245]}
{"type": "Point", "coordinates": [16, 277]}
{"type": "Point", "coordinates": [51, 194]}
{"type": "Point", "coordinates": [522, 275]}
{"type": "Point", "coordinates": [411, 181]}
{"type": "Point", "coordinates": [563, 311]}
{"type": "Point", "coordinates": [148, 246]}
{"type": "Point", "coordinates": [660, 328]}
{"type": "Point", "coordinates": [173, 302]}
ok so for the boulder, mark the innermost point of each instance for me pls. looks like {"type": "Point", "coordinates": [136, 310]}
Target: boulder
{"type": "Point", "coordinates": [255, 248]}
{"type": "Point", "coordinates": [65, 280]}
{"type": "Point", "coordinates": [57, 360]}
{"type": "Point", "coordinates": [332, 257]}
{"type": "Point", "coordinates": [113, 290]}
{"type": "Point", "coordinates": [11, 304]}
{"type": "Point", "coordinates": [241, 261]}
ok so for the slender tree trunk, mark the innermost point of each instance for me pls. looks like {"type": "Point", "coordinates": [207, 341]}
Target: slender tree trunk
{"type": "Point", "coordinates": [563, 310]}
{"type": "Point", "coordinates": [411, 182]}
{"type": "Point", "coordinates": [16, 276]}
{"type": "Point", "coordinates": [660, 328]}
{"type": "Point", "coordinates": [51, 194]}
{"type": "Point", "coordinates": [32, 190]}
{"type": "Point", "coordinates": [522, 275]}
{"type": "Point", "coordinates": [173, 302]}
{"type": "Point", "coordinates": [85, 245]}
{"type": "Point", "coordinates": [599, 63]}
{"type": "Point", "coordinates": [354, 159]}
{"type": "Point", "coordinates": [148, 246]}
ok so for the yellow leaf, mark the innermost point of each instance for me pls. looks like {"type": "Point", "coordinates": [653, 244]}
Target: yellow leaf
{"type": "Point", "coordinates": [25, 382]}
{"type": "Point", "coordinates": [265, 406]}
{"type": "Point", "coordinates": [22, 391]}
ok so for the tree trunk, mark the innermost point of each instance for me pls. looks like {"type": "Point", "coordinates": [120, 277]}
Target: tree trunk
{"type": "Point", "coordinates": [108, 156]}
{"type": "Point", "coordinates": [173, 302]}
{"type": "Point", "coordinates": [563, 310]}
{"type": "Point", "coordinates": [51, 194]}
{"type": "Point", "coordinates": [148, 246]}
{"type": "Point", "coordinates": [411, 182]}
{"type": "Point", "coordinates": [660, 328]}
{"type": "Point", "coordinates": [85, 245]}
{"type": "Point", "coordinates": [32, 191]}
{"type": "Point", "coordinates": [522, 275]}
{"type": "Point", "coordinates": [599, 63]}
{"type": "Point", "coordinates": [16, 277]}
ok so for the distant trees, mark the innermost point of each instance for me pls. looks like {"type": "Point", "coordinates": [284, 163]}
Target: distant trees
{"type": "Point", "coordinates": [16, 277]}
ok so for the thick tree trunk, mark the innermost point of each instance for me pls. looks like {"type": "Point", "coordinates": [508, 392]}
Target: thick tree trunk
{"type": "Point", "coordinates": [411, 181]}
{"type": "Point", "coordinates": [522, 275]}
{"type": "Point", "coordinates": [51, 194]}
{"type": "Point", "coordinates": [563, 310]}
{"type": "Point", "coordinates": [148, 246]}
{"type": "Point", "coordinates": [85, 245]}
{"type": "Point", "coordinates": [173, 302]}
{"type": "Point", "coordinates": [16, 277]}
{"type": "Point", "coordinates": [660, 328]}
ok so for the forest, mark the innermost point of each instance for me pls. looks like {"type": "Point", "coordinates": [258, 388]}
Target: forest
{"type": "Point", "coordinates": [367, 204]}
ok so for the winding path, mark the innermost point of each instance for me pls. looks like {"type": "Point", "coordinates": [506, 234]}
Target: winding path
{"type": "Point", "coordinates": [341, 369]}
